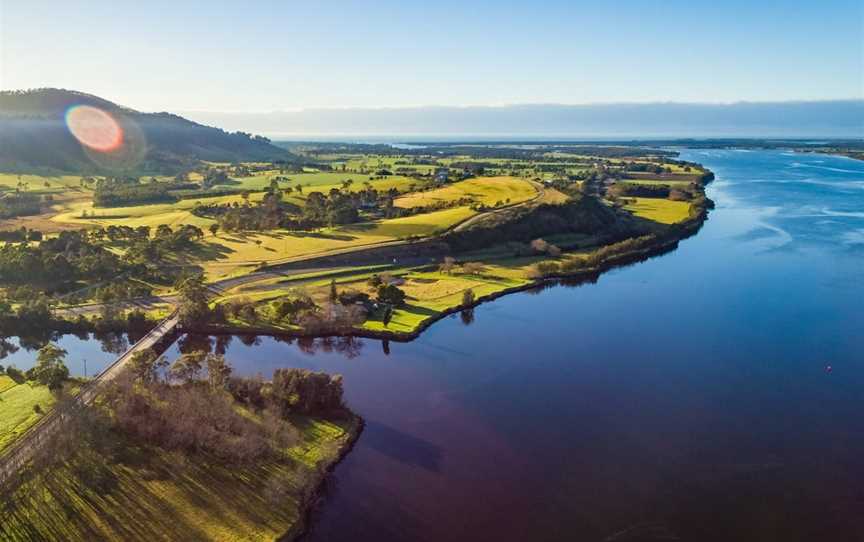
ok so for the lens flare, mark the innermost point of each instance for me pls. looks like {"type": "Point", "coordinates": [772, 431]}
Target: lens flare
{"type": "Point", "coordinates": [94, 128]}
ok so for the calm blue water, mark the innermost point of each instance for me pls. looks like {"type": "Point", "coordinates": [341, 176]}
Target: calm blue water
{"type": "Point", "coordinates": [87, 355]}
{"type": "Point", "coordinates": [683, 398]}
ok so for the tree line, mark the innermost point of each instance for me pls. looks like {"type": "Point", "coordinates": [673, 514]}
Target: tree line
{"type": "Point", "coordinates": [124, 191]}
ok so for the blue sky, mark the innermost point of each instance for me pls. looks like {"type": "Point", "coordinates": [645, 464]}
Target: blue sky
{"type": "Point", "coordinates": [283, 55]}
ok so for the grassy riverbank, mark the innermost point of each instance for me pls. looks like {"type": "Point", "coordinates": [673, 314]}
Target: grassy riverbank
{"type": "Point", "coordinates": [432, 292]}
{"type": "Point", "coordinates": [146, 493]}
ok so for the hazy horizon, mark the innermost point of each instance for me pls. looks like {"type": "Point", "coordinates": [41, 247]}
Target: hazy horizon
{"type": "Point", "coordinates": [791, 119]}
{"type": "Point", "coordinates": [272, 56]}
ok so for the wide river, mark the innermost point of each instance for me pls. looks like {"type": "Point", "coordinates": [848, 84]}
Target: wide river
{"type": "Point", "coordinates": [714, 393]}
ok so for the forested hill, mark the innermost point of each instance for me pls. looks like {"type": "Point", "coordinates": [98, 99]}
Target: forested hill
{"type": "Point", "coordinates": [34, 135]}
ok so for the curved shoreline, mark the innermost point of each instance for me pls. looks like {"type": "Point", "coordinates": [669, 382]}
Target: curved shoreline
{"type": "Point", "coordinates": [316, 496]}
{"type": "Point", "coordinates": [664, 244]}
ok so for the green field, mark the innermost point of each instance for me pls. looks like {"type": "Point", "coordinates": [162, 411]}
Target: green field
{"type": "Point", "coordinates": [485, 190]}
{"type": "Point", "coordinates": [181, 212]}
{"type": "Point", "coordinates": [233, 253]}
{"type": "Point", "coordinates": [157, 495]}
{"type": "Point", "coordinates": [17, 402]}
{"type": "Point", "coordinates": [40, 184]}
{"type": "Point", "coordinates": [226, 253]}
{"type": "Point", "coordinates": [6, 383]}
{"type": "Point", "coordinates": [320, 181]}
{"type": "Point", "coordinates": [431, 293]}
{"type": "Point", "coordinates": [659, 210]}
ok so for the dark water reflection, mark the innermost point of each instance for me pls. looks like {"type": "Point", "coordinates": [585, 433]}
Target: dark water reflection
{"type": "Point", "coordinates": [88, 353]}
{"type": "Point", "coordinates": [683, 398]}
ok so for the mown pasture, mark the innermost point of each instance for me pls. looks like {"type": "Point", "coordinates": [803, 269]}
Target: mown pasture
{"type": "Point", "coordinates": [18, 404]}
{"type": "Point", "coordinates": [660, 210]}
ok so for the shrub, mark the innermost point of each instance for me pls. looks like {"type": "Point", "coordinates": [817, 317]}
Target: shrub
{"type": "Point", "coordinates": [542, 270]}
{"type": "Point", "coordinates": [473, 268]}
{"type": "Point", "coordinates": [391, 295]}
{"type": "Point", "coordinates": [190, 419]}
{"type": "Point", "coordinates": [352, 297]}
{"type": "Point", "coordinates": [572, 264]}
{"type": "Point", "coordinates": [468, 297]}
{"type": "Point", "coordinates": [305, 392]}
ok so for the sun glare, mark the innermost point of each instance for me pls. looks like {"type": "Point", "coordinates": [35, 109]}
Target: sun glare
{"type": "Point", "coordinates": [94, 128]}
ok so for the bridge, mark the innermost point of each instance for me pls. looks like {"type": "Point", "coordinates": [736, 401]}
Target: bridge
{"type": "Point", "coordinates": [22, 450]}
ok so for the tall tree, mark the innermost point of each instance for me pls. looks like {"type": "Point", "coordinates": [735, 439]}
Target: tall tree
{"type": "Point", "coordinates": [50, 368]}
{"type": "Point", "coordinates": [146, 365]}
{"type": "Point", "coordinates": [218, 371]}
{"type": "Point", "coordinates": [193, 305]}
{"type": "Point", "coordinates": [188, 366]}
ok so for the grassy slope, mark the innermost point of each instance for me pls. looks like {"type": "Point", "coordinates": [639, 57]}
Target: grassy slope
{"type": "Point", "coordinates": [6, 383]}
{"type": "Point", "coordinates": [659, 210]}
{"type": "Point", "coordinates": [428, 292]}
{"type": "Point", "coordinates": [164, 496]}
{"type": "Point", "coordinates": [16, 408]}
{"type": "Point", "coordinates": [227, 253]}
{"type": "Point", "coordinates": [486, 190]}
{"type": "Point", "coordinates": [39, 183]}
{"type": "Point", "coordinates": [180, 212]}
{"type": "Point", "coordinates": [431, 293]}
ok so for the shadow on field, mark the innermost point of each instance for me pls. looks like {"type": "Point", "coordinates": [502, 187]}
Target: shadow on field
{"type": "Point", "coordinates": [394, 229]}
{"type": "Point", "coordinates": [320, 235]}
{"type": "Point", "coordinates": [149, 496]}
{"type": "Point", "coordinates": [102, 216]}
{"type": "Point", "coordinates": [422, 311]}
{"type": "Point", "coordinates": [210, 250]}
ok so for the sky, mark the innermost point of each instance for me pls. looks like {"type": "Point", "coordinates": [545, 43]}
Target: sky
{"type": "Point", "coordinates": [260, 56]}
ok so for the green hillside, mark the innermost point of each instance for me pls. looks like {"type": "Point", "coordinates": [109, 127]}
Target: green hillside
{"type": "Point", "coordinates": [34, 136]}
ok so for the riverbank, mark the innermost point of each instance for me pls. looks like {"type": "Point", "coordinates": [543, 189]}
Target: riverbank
{"type": "Point", "coordinates": [426, 305]}
{"type": "Point", "coordinates": [316, 495]}
{"type": "Point", "coordinates": [500, 279]}
{"type": "Point", "coordinates": [143, 492]}
{"type": "Point", "coordinates": [604, 222]}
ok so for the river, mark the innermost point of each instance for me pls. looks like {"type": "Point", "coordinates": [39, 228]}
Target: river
{"type": "Point", "coordinates": [714, 393]}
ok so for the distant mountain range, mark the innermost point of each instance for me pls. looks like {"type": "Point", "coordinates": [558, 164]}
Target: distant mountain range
{"type": "Point", "coordinates": [840, 118]}
{"type": "Point", "coordinates": [34, 135]}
